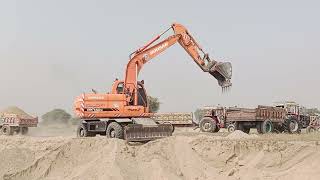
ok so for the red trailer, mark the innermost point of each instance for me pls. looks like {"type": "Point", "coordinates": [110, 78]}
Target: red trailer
{"type": "Point", "coordinates": [13, 123]}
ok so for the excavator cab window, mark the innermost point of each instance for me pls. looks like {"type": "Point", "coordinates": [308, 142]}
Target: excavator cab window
{"type": "Point", "coordinates": [142, 98]}
{"type": "Point", "coordinates": [120, 88]}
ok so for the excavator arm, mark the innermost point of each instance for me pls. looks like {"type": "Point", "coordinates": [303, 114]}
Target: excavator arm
{"type": "Point", "coordinates": [222, 71]}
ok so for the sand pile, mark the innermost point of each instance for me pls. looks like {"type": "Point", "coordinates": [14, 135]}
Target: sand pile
{"type": "Point", "coordinates": [17, 111]}
{"type": "Point", "coordinates": [178, 157]}
{"type": "Point", "coordinates": [238, 135]}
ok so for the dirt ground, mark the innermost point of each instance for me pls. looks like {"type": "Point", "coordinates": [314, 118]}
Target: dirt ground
{"type": "Point", "coordinates": [186, 155]}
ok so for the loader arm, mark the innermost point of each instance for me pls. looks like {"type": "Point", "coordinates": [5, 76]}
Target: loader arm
{"type": "Point", "coordinates": [221, 71]}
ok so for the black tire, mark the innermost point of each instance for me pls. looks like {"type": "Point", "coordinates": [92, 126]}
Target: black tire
{"type": "Point", "coordinates": [7, 130]}
{"type": "Point", "coordinates": [207, 124]}
{"type": "Point", "coordinates": [115, 130]}
{"type": "Point", "coordinates": [292, 126]}
{"type": "Point", "coordinates": [24, 130]}
{"type": "Point", "coordinates": [266, 127]}
{"type": "Point", "coordinates": [82, 131]}
{"type": "Point", "coordinates": [310, 129]}
{"type": "Point", "coordinates": [231, 128]}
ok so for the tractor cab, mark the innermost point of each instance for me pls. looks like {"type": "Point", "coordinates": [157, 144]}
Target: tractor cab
{"type": "Point", "coordinates": [291, 108]}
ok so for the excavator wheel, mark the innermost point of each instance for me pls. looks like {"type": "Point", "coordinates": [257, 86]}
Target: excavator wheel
{"type": "Point", "coordinates": [115, 130]}
{"type": "Point", "coordinates": [82, 131]}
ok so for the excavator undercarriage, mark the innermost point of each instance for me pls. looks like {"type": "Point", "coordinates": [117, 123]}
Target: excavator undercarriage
{"type": "Point", "coordinates": [132, 130]}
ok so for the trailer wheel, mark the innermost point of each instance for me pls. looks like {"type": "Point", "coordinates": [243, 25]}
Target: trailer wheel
{"type": "Point", "coordinates": [207, 124]}
{"type": "Point", "coordinates": [24, 130]}
{"type": "Point", "coordinates": [231, 128]}
{"type": "Point", "coordinates": [310, 129]}
{"type": "Point", "coordinates": [115, 130]}
{"type": "Point", "coordinates": [7, 130]}
{"type": "Point", "coordinates": [266, 127]}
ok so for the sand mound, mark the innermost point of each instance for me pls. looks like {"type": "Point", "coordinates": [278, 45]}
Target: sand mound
{"type": "Point", "coordinates": [17, 111]}
{"type": "Point", "coordinates": [178, 157]}
{"type": "Point", "coordinates": [238, 135]}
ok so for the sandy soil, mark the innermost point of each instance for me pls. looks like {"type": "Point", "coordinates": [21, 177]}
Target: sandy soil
{"type": "Point", "coordinates": [186, 155]}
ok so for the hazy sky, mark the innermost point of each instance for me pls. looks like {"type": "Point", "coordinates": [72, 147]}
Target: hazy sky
{"type": "Point", "coordinates": [51, 51]}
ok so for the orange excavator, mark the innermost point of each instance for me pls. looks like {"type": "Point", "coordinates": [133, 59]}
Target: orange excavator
{"type": "Point", "coordinates": [124, 112]}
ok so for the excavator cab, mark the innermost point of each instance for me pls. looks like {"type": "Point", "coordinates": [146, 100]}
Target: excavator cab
{"type": "Point", "coordinates": [145, 128]}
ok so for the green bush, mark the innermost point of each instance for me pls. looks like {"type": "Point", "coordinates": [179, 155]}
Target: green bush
{"type": "Point", "coordinates": [154, 104]}
{"type": "Point", "coordinates": [56, 116]}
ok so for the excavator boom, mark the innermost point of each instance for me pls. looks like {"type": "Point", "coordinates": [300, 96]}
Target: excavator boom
{"type": "Point", "coordinates": [222, 71]}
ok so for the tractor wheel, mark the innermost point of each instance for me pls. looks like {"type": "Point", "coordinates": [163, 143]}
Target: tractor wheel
{"type": "Point", "coordinates": [292, 126]}
{"type": "Point", "coordinates": [115, 130]}
{"type": "Point", "coordinates": [231, 128]}
{"type": "Point", "coordinates": [310, 129]}
{"type": "Point", "coordinates": [7, 130]}
{"type": "Point", "coordinates": [207, 124]}
{"type": "Point", "coordinates": [24, 130]}
{"type": "Point", "coordinates": [266, 127]}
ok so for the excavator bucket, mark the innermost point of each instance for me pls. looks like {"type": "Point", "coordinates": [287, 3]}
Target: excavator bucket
{"type": "Point", "coordinates": [222, 71]}
{"type": "Point", "coordinates": [142, 131]}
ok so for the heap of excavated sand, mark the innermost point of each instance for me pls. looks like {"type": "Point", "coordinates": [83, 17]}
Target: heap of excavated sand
{"type": "Point", "coordinates": [17, 111]}
{"type": "Point", "coordinates": [179, 157]}
{"type": "Point", "coordinates": [238, 135]}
